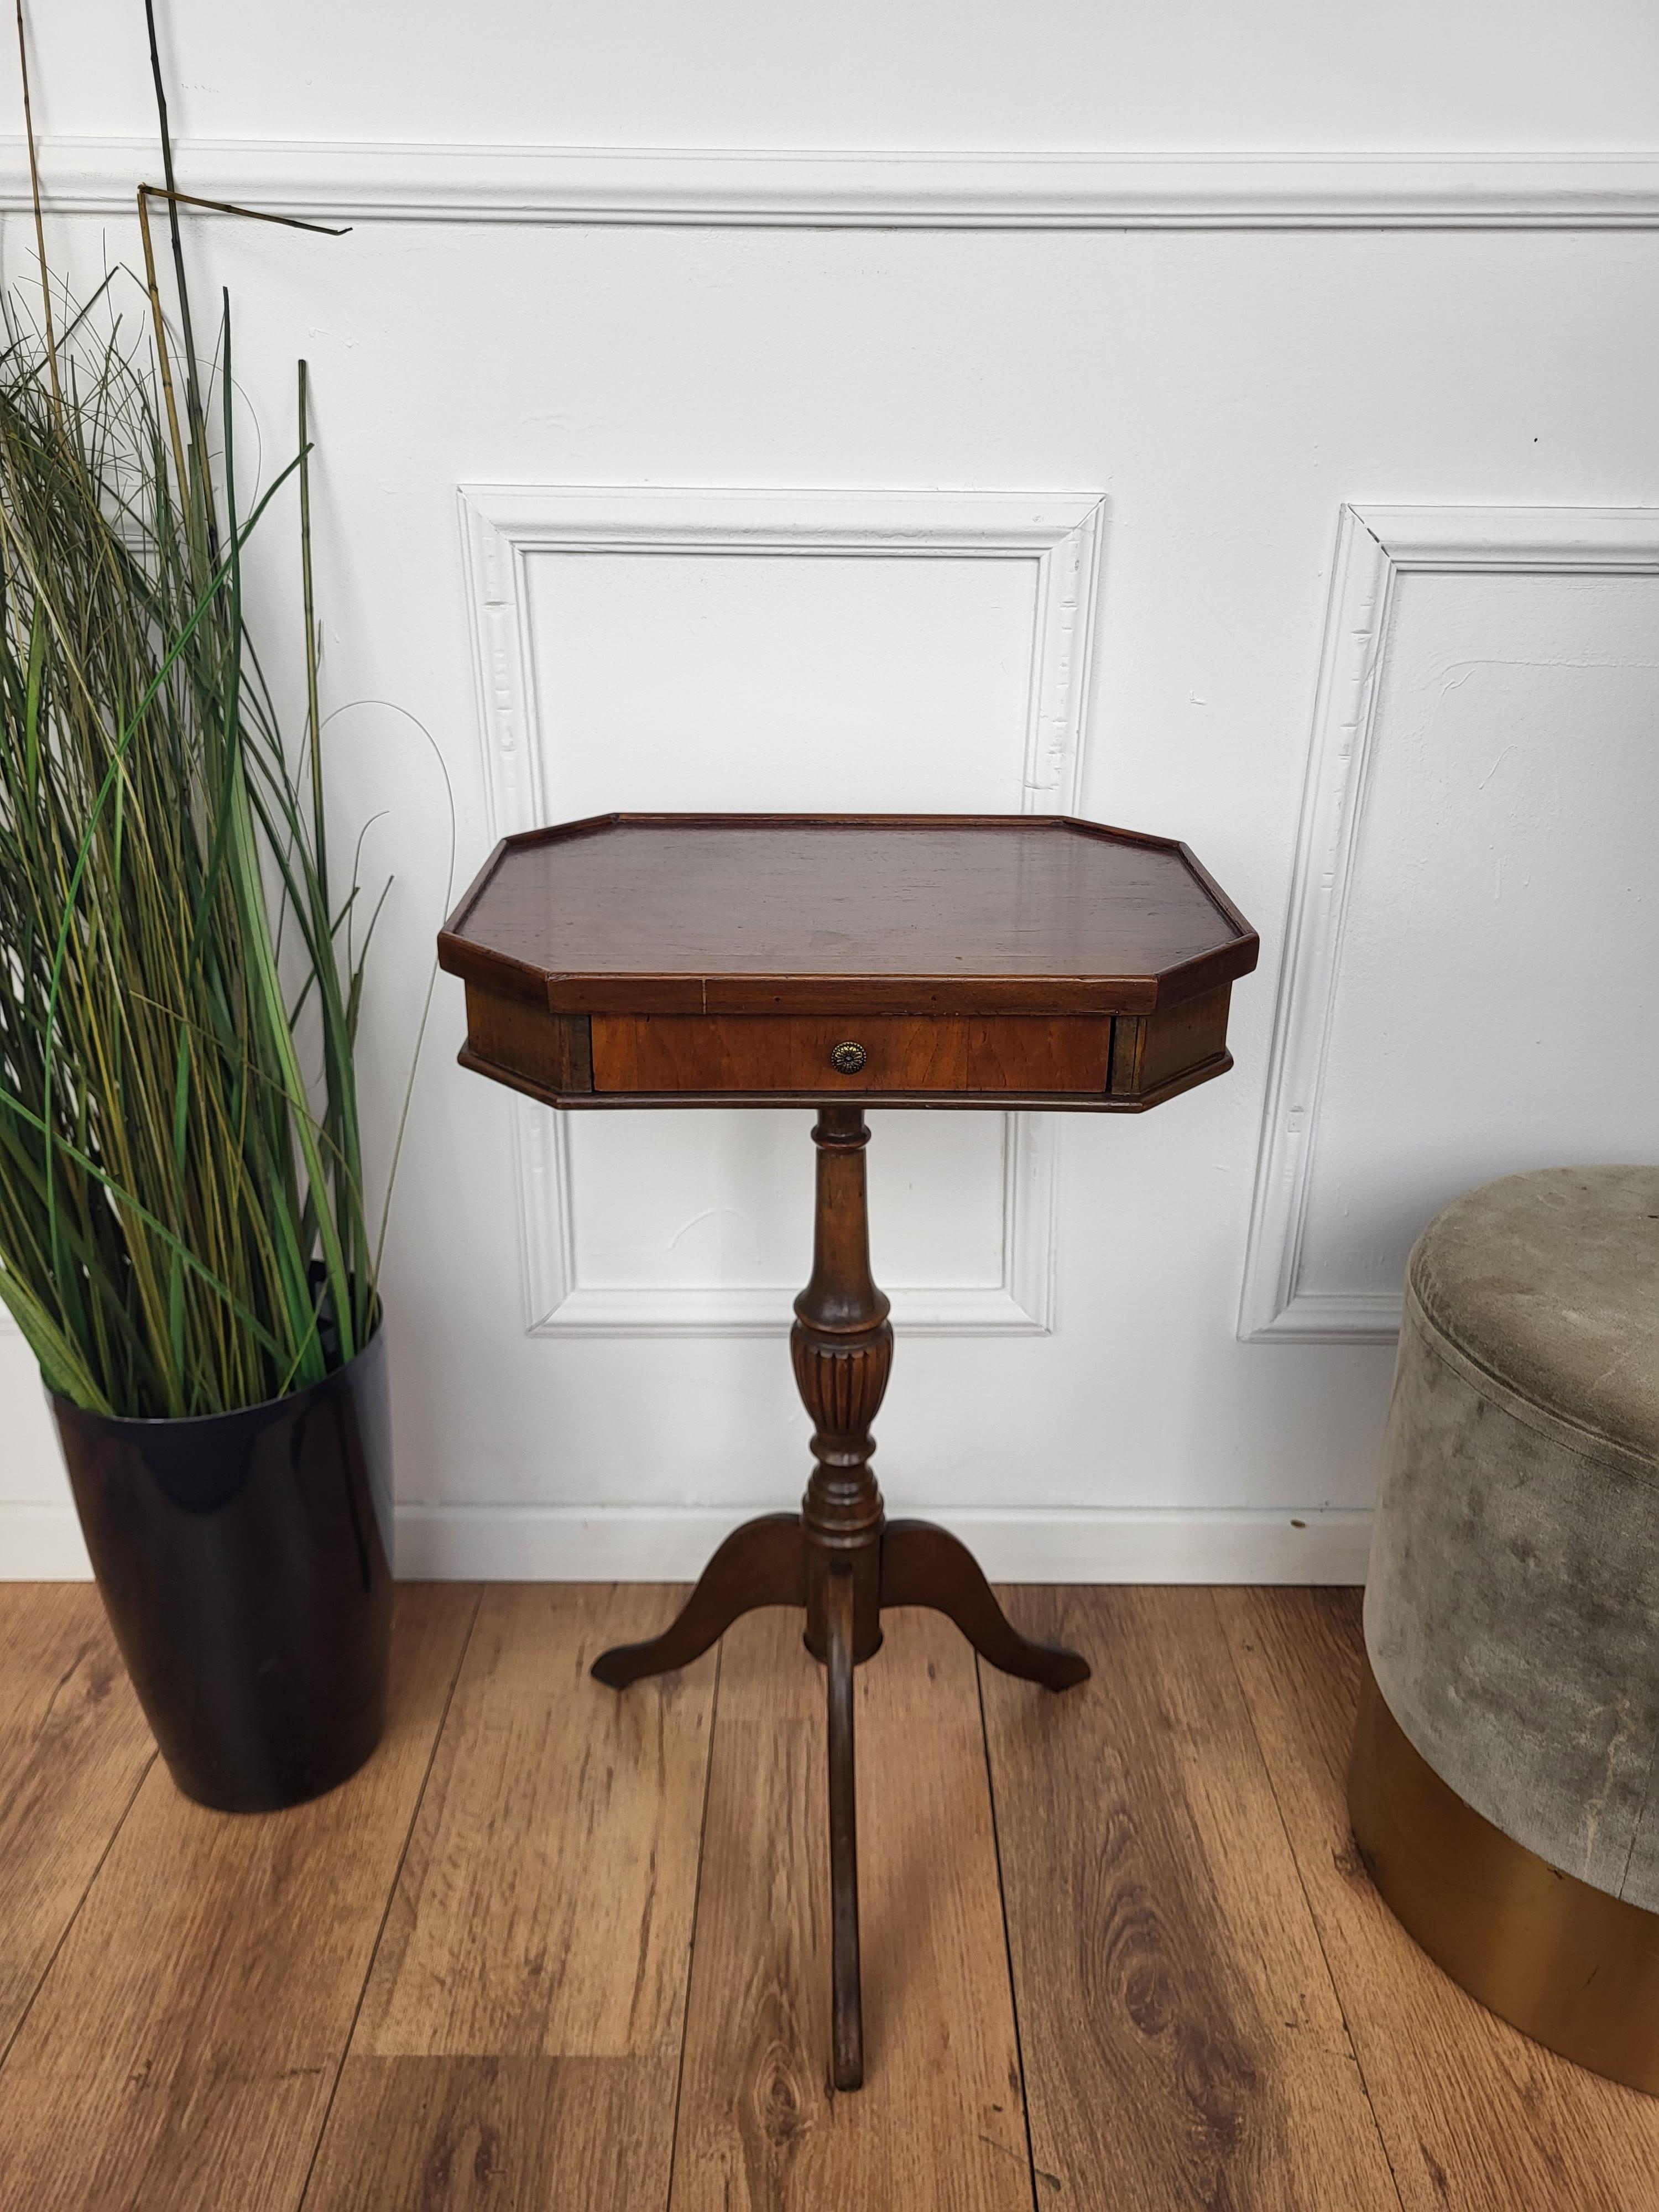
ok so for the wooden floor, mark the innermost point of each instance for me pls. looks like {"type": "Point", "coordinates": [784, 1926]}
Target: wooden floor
{"type": "Point", "coordinates": [559, 1947]}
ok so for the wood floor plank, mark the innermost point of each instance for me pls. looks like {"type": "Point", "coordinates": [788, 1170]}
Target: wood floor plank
{"type": "Point", "coordinates": [519, 2042]}
{"type": "Point", "coordinates": [182, 2050]}
{"type": "Point", "coordinates": [1183, 2044]}
{"type": "Point", "coordinates": [73, 1750]}
{"type": "Point", "coordinates": [939, 2125]}
{"type": "Point", "coordinates": [518, 2039]}
{"type": "Point", "coordinates": [1475, 2116]}
{"type": "Point", "coordinates": [481, 2134]}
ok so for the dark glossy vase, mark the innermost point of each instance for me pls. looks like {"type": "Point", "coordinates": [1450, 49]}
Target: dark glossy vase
{"type": "Point", "coordinates": [245, 1561]}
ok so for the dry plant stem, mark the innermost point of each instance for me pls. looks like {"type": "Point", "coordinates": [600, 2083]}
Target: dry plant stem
{"type": "Point", "coordinates": [40, 222]}
{"type": "Point", "coordinates": [313, 717]}
{"type": "Point", "coordinates": [192, 402]}
{"type": "Point", "coordinates": [146, 194]}
{"type": "Point", "coordinates": [247, 214]}
{"type": "Point", "coordinates": [159, 325]}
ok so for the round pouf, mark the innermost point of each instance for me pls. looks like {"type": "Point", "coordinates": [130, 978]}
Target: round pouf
{"type": "Point", "coordinates": [1503, 1790]}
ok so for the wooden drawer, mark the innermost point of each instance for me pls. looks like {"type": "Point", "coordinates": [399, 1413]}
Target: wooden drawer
{"type": "Point", "coordinates": [901, 1052]}
{"type": "Point", "coordinates": [1117, 1060]}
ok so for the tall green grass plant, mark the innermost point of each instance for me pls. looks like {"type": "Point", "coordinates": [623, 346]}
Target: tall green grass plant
{"type": "Point", "coordinates": [183, 1224]}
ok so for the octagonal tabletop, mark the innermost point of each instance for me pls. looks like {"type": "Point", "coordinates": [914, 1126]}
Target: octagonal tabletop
{"type": "Point", "coordinates": [780, 914]}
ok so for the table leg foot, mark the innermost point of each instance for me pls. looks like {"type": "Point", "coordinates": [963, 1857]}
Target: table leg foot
{"type": "Point", "coordinates": [762, 1563]}
{"type": "Point", "coordinates": [921, 1565]}
{"type": "Point", "coordinates": [848, 2033]}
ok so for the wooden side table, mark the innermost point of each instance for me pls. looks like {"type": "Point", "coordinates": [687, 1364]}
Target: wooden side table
{"type": "Point", "coordinates": [845, 961]}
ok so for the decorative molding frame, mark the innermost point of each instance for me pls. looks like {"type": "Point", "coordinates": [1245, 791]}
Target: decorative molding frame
{"type": "Point", "coordinates": [916, 191]}
{"type": "Point", "coordinates": [557, 1305]}
{"type": "Point", "coordinates": [650, 1543]}
{"type": "Point", "coordinates": [503, 527]}
{"type": "Point", "coordinates": [1375, 544]}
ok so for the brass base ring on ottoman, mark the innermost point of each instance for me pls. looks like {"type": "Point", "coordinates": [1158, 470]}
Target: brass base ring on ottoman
{"type": "Point", "coordinates": [1569, 1966]}
{"type": "Point", "coordinates": [1504, 1787]}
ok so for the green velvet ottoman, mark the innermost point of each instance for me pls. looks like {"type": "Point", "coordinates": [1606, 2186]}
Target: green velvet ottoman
{"type": "Point", "coordinates": [1501, 1790]}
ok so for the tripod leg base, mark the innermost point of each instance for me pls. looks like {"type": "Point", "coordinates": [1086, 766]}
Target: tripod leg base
{"type": "Point", "coordinates": [921, 1565]}
{"type": "Point", "coordinates": [762, 1563]}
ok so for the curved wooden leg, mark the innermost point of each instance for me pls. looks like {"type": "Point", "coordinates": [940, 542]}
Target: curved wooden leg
{"type": "Point", "coordinates": [760, 1564]}
{"type": "Point", "coordinates": [921, 1565]}
{"type": "Point", "coordinates": [847, 2040]}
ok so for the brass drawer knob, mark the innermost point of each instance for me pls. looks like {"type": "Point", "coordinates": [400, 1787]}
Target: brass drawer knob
{"type": "Point", "coordinates": [849, 1058]}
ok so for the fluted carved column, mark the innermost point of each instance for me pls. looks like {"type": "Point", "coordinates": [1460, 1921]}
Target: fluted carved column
{"type": "Point", "coordinates": [843, 1348]}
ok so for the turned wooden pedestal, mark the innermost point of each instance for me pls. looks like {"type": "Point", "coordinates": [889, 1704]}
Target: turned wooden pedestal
{"type": "Point", "coordinates": [841, 961]}
{"type": "Point", "coordinates": [840, 1557]}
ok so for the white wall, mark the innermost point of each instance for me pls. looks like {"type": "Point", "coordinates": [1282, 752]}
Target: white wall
{"type": "Point", "coordinates": [1189, 74]}
{"type": "Point", "coordinates": [1400, 323]}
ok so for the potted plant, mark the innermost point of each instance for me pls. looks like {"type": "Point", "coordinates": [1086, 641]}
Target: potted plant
{"type": "Point", "coordinates": [184, 1235]}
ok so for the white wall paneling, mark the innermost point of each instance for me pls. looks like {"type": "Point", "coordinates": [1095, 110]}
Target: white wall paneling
{"type": "Point", "coordinates": [884, 190]}
{"type": "Point", "coordinates": [757, 609]}
{"type": "Point", "coordinates": [1230, 268]}
{"type": "Point", "coordinates": [1471, 983]}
